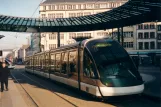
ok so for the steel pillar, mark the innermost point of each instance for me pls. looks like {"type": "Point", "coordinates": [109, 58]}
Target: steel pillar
{"type": "Point", "coordinates": [122, 36]}
{"type": "Point", "coordinates": [118, 35]}
{"type": "Point", "coordinates": [58, 39]}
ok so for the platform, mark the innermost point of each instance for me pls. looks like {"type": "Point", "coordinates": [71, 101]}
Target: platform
{"type": "Point", "coordinates": [11, 98]}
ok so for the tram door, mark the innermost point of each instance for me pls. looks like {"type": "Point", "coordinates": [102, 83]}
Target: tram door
{"type": "Point", "coordinates": [73, 68]}
{"type": "Point", "coordinates": [87, 73]}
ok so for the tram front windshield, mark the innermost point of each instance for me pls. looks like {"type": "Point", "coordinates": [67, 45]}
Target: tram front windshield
{"type": "Point", "coordinates": [112, 60]}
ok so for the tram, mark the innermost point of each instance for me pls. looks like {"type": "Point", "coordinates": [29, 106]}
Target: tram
{"type": "Point", "coordinates": [100, 67]}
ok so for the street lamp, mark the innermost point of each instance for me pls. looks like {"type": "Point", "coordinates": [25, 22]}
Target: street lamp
{"type": "Point", "coordinates": [1, 36]}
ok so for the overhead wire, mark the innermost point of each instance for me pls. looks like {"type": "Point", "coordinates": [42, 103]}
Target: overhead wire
{"type": "Point", "coordinates": [36, 8]}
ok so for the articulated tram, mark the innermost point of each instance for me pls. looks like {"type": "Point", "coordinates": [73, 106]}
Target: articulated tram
{"type": "Point", "coordinates": [100, 67]}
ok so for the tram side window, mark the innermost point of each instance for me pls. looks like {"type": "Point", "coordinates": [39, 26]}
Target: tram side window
{"type": "Point", "coordinates": [38, 62]}
{"type": "Point", "coordinates": [35, 62]}
{"type": "Point", "coordinates": [64, 62]}
{"type": "Point", "coordinates": [46, 62]}
{"type": "Point", "coordinates": [52, 63]}
{"type": "Point", "coordinates": [88, 66]}
{"type": "Point", "coordinates": [58, 62]}
{"type": "Point", "coordinates": [42, 62]}
{"type": "Point", "coordinates": [72, 61]}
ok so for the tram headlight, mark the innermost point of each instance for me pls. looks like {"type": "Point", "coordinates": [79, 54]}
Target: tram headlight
{"type": "Point", "coordinates": [109, 84]}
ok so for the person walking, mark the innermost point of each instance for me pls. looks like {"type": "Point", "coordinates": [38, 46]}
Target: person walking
{"type": "Point", "coordinates": [4, 74]}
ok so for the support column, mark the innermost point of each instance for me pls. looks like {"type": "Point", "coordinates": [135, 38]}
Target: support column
{"type": "Point", "coordinates": [118, 35]}
{"type": "Point", "coordinates": [122, 37]}
{"type": "Point", "coordinates": [112, 33]}
{"type": "Point", "coordinates": [58, 39]}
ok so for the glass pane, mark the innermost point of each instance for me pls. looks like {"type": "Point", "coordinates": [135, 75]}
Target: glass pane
{"type": "Point", "coordinates": [52, 22]}
{"type": "Point", "coordinates": [11, 21]}
{"type": "Point", "coordinates": [48, 22]}
{"type": "Point", "coordinates": [37, 22]}
{"type": "Point", "coordinates": [64, 63]}
{"type": "Point", "coordinates": [56, 22]}
{"type": "Point", "coordinates": [6, 21]}
{"type": "Point", "coordinates": [58, 63]}
{"type": "Point", "coordinates": [33, 22]}
{"type": "Point", "coordinates": [52, 63]}
{"type": "Point", "coordinates": [72, 61]}
{"type": "Point", "coordinates": [111, 59]}
{"type": "Point", "coordinates": [88, 66]}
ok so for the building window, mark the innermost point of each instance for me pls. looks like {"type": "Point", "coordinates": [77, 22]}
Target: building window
{"type": "Point", "coordinates": [53, 7]}
{"type": "Point", "coordinates": [43, 15]}
{"type": "Point", "coordinates": [140, 45]}
{"type": "Point", "coordinates": [152, 26]}
{"type": "Point", "coordinates": [61, 36]}
{"type": "Point", "coordinates": [79, 6]}
{"type": "Point", "coordinates": [49, 7]}
{"type": "Point", "coordinates": [50, 16]}
{"type": "Point", "coordinates": [84, 6]}
{"type": "Point", "coordinates": [140, 35]}
{"type": "Point", "coordinates": [89, 6]}
{"type": "Point", "coordinates": [146, 44]}
{"type": "Point", "coordinates": [146, 26]}
{"type": "Point", "coordinates": [58, 15]}
{"type": "Point", "coordinates": [44, 7]}
{"type": "Point", "coordinates": [97, 6]}
{"type": "Point", "coordinates": [80, 34]}
{"type": "Point", "coordinates": [69, 7]}
{"type": "Point", "coordinates": [72, 35]}
{"type": "Point", "coordinates": [72, 15]}
{"type": "Point", "coordinates": [103, 5]}
{"type": "Point", "coordinates": [152, 45]}
{"type": "Point", "coordinates": [87, 13]}
{"type": "Point", "coordinates": [102, 33]}
{"type": "Point", "coordinates": [159, 27]}
{"type": "Point", "coordinates": [159, 45]}
{"type": "Point", "coordinates": [87, 34]}
{"type": "Point", "coordinates": [159, 36]}
{"type": "Point", "coordinates": [128, 34]}
{"type": "Point", "coordinates": [128, 44]}
{"type": "Point", "coordinates": [79, 14]}
{"type": "Point", "coordinates": [118, 4]}
{"type": "Point", "coordinates": [146, 35]}
{"type": "Point", "coordinates": [52, 46]}
{"type": "Point", "coordinates": [152, 35]}
{"type": "Point", "coordinates": [60, 7]}
{"type": "Point", "coordinates": [140, 26]}
{"type": "Point", "coordinates": [73, 7]}
{"type": "Point", "coordinates": [52, 36]}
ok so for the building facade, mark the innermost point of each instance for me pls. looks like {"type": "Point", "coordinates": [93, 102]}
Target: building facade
{"type": "Point", "coordinates": [22, 52]}
{"type": "Point", "coordinates": [158, 35]}
{"type": "Point", "coordinates": [69, 8]}
{"type": "Point", "coordinates": [146, 36]}
{"type": "Point", "coordinates": [129, 34]}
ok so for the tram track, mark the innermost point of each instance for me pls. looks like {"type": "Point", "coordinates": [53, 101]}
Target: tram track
{"type": "Point", "coordinates": [35, 103]}
{"type": "Point", "coordinates": [73, 98]}
{"type": "Point", "coordinates": [36, 82]}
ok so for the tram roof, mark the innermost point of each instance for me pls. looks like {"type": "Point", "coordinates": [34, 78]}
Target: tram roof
{"type": "Point", "coordinates": [131, 13]}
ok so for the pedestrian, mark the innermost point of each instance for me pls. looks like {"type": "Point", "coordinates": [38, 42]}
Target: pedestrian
{"type": "Point", "coordinates": [4, 74]}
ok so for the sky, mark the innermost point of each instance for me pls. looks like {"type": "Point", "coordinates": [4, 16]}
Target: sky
{"type": "Point", "coordinates": [22, 8]}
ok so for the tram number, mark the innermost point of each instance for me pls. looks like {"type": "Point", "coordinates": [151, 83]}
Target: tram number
{"type": "Point", "coordinates": [87, 89]}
